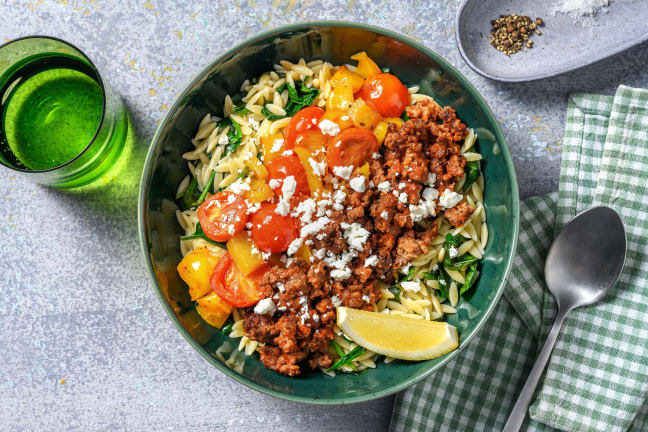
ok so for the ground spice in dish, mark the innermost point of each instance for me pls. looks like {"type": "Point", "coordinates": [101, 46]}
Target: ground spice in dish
{"type": "Point", "coordinates": [512, 33]}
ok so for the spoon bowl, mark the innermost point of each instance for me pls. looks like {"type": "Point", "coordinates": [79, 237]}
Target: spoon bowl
{"type": "Point", "coordinates": [586, 258]}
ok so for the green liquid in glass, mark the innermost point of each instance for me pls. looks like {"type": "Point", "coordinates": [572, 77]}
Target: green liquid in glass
{"type": "Point", "coordinates": [51, 115]}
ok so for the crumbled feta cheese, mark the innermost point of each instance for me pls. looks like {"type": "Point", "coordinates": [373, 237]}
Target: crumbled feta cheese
{"type": "Point", "coordinates": [294, 246]}
{"type": "Point", "coordinates": [287, 191]}
{"type": "Point", "coordinates": [283, 207]}
{"type": "Point", "coordinates": [316, 318]}
{"type": "Point", "coordinates": [265, 307]}
{"type": "Point", "coordinates": [384, 215]}
{"type": "Point", "coordinates": [328, 127]}
{"type": "Point", "coordinates": [402, 197]}
{"type": "Point", "coordinates": [248, 225]}
{"type": "Point", "coordinates": [320, 253]}
{"type": "Point", "coordinates": [410, 286]}
{"type": "Point", "coordinates": [319, 168]}
{"type": "Point", "coordinates": [238, 187]}
{"type": "Point", "coordinates": [314, 227]}
{"type": "Point", "coordinates": [366, 298]}
{"type": "Point", "coordinates": [435, 267]}
{"type": "Point", "coordinates": [343, 171]}
{"type": "Point", "coordinates": [357, 183]}
{"type": "Point", "coordinates": [401, 185]}
{"type": "Point", "coordinates": [338, 274]}
{"type": "Point", "coordinates": [336, 301]}
{"type": "Point", "coordinates": [252, 208]}
{"type": "Point", "coordinates": [454, 252]}
{"type": "Point", "coordinates": [253, 123]}
{"type": "Point", "coordinates": [449, 198]}
{"type": "Point", "coordinates": [376, 155]}
{"type": "Point", "coordinates": [306, 208]}
{"type": "Point", "coordinates": [431, 179]}
{"type": "Point", "coordinates": [281, 287]}
{"type": "Point", "coordinates": [223, 140]}
{"type": "Point", "coordinates": [426, 206]}
{"type": "Point", "coordinates": [339, 196]}
{"type": "Point", "coordinates": [371, 261]}
{"type": "Point", "coordinates": [274, 183]}
{"type": "Point", "coordinates": [276, 145]}
{"type": "Point", "coordinates": [231, 199]}
{"type": "Point", "coordinates": [265, 255]}
{"type": "Point", "coordinates": [287, 153]}
{"type": "Point", "coordinates": [384, 186]}
{"type": "Point", "coordinates": [356, 236]}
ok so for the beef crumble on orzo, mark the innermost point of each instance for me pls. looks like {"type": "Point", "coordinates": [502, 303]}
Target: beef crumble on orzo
{"type": "Point", "coordinates": [326, 188]}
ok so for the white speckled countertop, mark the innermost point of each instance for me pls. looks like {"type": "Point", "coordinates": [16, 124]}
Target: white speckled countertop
{"type": "Point", "coordinates": [76, 305]}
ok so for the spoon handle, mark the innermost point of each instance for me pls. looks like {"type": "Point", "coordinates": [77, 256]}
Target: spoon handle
{"type": "Point", "coordinates": [519, 410]}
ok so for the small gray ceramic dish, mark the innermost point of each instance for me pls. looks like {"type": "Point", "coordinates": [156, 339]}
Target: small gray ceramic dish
{"type": "Point", "coordinates": [563, 45]}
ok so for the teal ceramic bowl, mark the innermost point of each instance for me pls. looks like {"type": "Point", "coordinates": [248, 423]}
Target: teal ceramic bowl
{"type": "Point", "coordinates": [414, 64]}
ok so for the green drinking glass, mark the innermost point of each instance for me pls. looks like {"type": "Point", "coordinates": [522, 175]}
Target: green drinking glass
{"type": "Point", "coordinates": [60, 123]}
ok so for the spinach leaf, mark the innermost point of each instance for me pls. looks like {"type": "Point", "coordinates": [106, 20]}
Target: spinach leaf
{"type": "Point", "coordinates": [337, 348]}
{"type": "Point", "coordinates": [298, 98]}
{"type": "Point", "coordinates": [472, 174]}
{"type": "Point", "coordinates": [386, 70]}
{"type": "Point", "coordinates": [208, 186]}
{"type": "Point", "coordinates": [347, 358]}
{"type": "Point", "coordinates": [459, 263]}
{"type": "Point", "coordinates": [199, 233]}
{"type": "Point", "coordinates": [451, 241]}
{"type": "Point", "coordinates": [228, 327]}
{"type": "Point", "coordinates": [240, 109]}
{"type": "Point", "coordinates": [444, 283]}
{"type": "Point", "coordinates": [404, 116]}
{"type": "Point", "coordinates": [471, 276]}
{"type": "Point", "coordinates": [396, 291]}
{"type": "Point", "coordinates": [428, 275]}
{"type": "Point", "coordinates": [234, 135]}
{"type": "Point", "coordinates": [191, 196]}
{"type": "Point", "coordinates": [408, 276]}
{"type": "Point", "coordinates": [244, 173]}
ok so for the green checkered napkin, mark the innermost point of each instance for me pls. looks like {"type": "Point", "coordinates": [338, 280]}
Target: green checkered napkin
{"type": "Point", "coordinates": [597, 378]}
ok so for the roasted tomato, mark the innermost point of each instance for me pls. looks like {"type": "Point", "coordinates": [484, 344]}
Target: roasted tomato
{"type": "Point", "coordinates": [285, 166]}
{"type": "Point", "coordinates": [304, 120]}
{"type": "Point", "coordinates": [271, 231]}
{"type": "Point", "coordinates": [386, 94]}
{"type": "Point", "coordinates": [229, 283]}
{"type": "Point", "coordinates": [222, 215]}
{"type": "Point", "coordinates": [353, 146]}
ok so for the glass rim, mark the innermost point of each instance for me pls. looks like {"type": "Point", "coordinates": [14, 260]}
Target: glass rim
{"type": "Point", "coordinates": [103, 110]}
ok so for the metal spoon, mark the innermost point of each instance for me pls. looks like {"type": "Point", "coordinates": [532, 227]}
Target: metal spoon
{"type": "Point", "coordinates": [583, 264]}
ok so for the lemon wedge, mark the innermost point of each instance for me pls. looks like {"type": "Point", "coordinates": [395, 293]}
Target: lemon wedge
{"type": "Point", "coordinates": [396, 336]}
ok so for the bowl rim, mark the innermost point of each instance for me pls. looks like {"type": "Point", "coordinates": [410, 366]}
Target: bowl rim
{"type": "Point", "coordinates": [147, 171]}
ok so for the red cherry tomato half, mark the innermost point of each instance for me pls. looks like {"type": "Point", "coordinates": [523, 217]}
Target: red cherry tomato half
{"type": "Point", "coordinates": [271, 231]}
{"type": "Point", "coordinates": [285, 166]}
{"type": "Point", "coordinates": [386, 94]}
{"type": "Point", "coordinates": [304, 120]}
{"type": "Point", "coordinates": [222, 215]}
{"type": "Point", "coordinates": [229, 283]}
{"type": "Point", "coordinates": [353, 146]}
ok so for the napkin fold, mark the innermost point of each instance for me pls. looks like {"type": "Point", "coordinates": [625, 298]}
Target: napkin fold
{"type": "Point", "coordinates": [597, 378]}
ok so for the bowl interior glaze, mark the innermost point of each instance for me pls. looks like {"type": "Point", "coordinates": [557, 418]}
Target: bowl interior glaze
{"type": "Point", "coordinates": [333, 42]}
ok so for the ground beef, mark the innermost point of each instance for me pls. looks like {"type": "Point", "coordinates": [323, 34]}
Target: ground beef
{"type": "Point", "coordinates": [459, 214]}
{"type": "Point", "coordinates": [300, 331]}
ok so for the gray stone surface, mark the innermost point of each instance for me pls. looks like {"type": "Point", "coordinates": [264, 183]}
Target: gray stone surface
{"type": "Point", "coordinates": [76, 303]}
